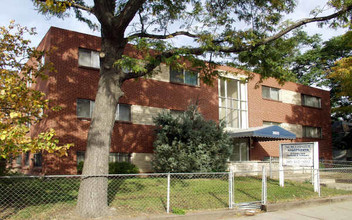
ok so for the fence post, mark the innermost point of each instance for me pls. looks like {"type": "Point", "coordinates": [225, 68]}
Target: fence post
{"type": "Point", "coordinates": [264, 186]}
{"type": "Point", "coordinates": [318, 182]}
{"type": "Point", "coordinates": [168, 194]}
{"type": "Point", "coordinates": [270, 169]}
{"type": "Point", "coordinates": [231, 189]}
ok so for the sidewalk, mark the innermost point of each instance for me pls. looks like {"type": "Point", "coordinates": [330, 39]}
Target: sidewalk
{"type": "Point", "coordinates": [336, 211]}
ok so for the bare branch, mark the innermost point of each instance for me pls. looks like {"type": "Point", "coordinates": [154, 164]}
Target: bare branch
{"type": "Point", "coordinates": [164, 37]}
{"type": "Point", "coordinates": [121, 21]}
{"type": "Point", "coordinates": [237, 49]}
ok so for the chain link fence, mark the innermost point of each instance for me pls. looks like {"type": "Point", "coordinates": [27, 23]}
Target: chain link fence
{"type": "Point", "coordinates": [48, 197]}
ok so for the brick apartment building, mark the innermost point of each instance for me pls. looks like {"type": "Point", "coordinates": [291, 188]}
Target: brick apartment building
{"type": "Point", "coordinates": [302, 110]}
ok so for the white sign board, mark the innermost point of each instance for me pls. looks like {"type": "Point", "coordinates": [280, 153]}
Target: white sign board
{"type": "Point", "coordinates": [297, 154]}
{"type": "Point", "coordinates": [300, 154]}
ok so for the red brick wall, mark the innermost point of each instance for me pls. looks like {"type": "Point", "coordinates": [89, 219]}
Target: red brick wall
{"type": "Point", "coordinates": [269, 110]}
{"type": "Point", "coordinates": [71, 82]}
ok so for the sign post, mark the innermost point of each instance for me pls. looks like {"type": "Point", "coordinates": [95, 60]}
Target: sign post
{"type": "Point", "coordinates": [304, 154]}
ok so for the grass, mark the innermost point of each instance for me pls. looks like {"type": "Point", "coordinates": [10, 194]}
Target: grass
{"type": "Point", "coordinates": [45, 198]}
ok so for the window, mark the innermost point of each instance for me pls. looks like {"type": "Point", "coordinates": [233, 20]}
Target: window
{"type": "Point", "coordinates": [85, 110]}
{"type": "Point", "coordinates": [37, 159]}
{"type": "Point", "coordinates": [311, 132]}
{"type": "Point", "coordinates": [311, 101]}
{"type": "Point", "coordinates": [19, 160]}
{"type": "Point", "coordinates": [119, 157]}
{"type": "Point", "coordinates": [123, 112]}
{"type": "Point", "coordinates": [270, 93]}
{"type": "Point", "coordinates": [240, 150]}
{"type": "Point", "coordinates": [233, 103]}
{"type": "Point", "coordinates": [26, 159]}
{"type": "Point", "coordinates": [183, 76]}
{"type": "Point", "coordinates": [270, 123]}
{"type": "Point", "coordinates": [88, 58]}
{"type": "Point", "coordinates": [80, 156]}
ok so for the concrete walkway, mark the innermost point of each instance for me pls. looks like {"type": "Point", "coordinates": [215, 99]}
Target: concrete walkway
{"type": "Point", "coordinates": [336, 211]}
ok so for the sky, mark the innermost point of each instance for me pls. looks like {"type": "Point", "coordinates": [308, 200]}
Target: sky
{"type": "Point", "coordinates": [24, 13]}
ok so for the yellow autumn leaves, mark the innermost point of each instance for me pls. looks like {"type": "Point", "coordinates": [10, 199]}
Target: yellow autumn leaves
{"type": "Point", "coordinates": [20, 105]}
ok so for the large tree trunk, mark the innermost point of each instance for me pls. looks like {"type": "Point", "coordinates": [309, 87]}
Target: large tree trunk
{"type": "Point", "coordinates": [92, 197]}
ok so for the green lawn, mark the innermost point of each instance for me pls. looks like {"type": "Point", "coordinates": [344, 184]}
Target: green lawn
{"type": "Point", "coordinates": [45, 198]}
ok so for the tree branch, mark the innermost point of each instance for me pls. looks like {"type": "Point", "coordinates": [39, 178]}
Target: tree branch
{"type": "Point", "coordinates": [73, 5]}
{"type": "Point", "coordinates": [121, 21]}
{"type": "Point", "coordinates": [164, 37]}
{"type": "Point", "coordinates": [237, 49]}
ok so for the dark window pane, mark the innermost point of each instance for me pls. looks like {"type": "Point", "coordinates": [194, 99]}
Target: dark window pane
{"type": "Point", "coordinates": [83, 108]}
{"type": "Point", "coordinates": [26, 160]}
{"type": "Point", "coordinates": [176, 75]}
{"type": "Point", "coordinates": [19, 159]}
{"type": "Point", "coordinates": [191, 78]}
{"type": "Point", "coordinates": [123, 112]}
{"type": "Point", "coordinates": [266, 92]}
{"type": "Point", "coordinates": [38, 160]}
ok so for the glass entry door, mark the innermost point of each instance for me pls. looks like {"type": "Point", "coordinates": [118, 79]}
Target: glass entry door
{"type": "Point", "coordinates": [240, 150]}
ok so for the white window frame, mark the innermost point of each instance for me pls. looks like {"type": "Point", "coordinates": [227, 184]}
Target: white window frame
{"type": "Point", "coordinates": [242, 106]}
{"type": "Point", "coordinates": [270, 93]}
{"type": "Point", "coordinates": [304, 98]}
{"type": "Point", "coordinates": [93, 55]}
{"type": "Point", "coordinates": [184, 72]}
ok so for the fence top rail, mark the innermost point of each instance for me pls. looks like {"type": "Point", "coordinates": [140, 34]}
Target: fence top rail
{"type": "Point", "coordinates": [111, 175]}
{"type": "Point", "coordinates": [165, 174]}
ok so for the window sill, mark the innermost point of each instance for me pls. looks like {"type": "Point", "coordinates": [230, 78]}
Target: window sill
{"type": "Point", "coordinates": [116, 121]}
{"type": "Point", "coordinates": [184, 84]}
{"type": "Point", "coordinates": [88, 67]}
{"type": "Point", "coordinates": [273, 100]}
{"type": "Point", "coordinates": [307, 106]}
{"type": "Point", "coordinates": [124, 122]}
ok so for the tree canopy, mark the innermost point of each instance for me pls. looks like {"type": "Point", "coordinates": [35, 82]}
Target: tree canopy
{"type": "Point", "coordinates": [21, 105]}
{"type": "Point", "coordinates": [215, 30]}
{"type": "Point", "coordinates": [326, 64]}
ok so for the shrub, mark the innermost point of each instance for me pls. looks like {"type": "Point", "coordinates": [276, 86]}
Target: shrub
{"type": "Point", "coordinates": [122, 168]}
{"type": "Point", "coordinates": [80, 167]}
{"type": "Point", "coordinates": [115, 168]}
{"type": "Point", "coordinates": [189, 143]}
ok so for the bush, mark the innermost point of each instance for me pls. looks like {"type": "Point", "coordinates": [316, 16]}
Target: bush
{"type": "Point", "coordinates": [122, 168]}
{"type": "Point", "coordinates": [115, 168]}
{"type": "Point", "coordinates": [80, 167]}
{"type": "Point", "coordinates": [189, 143]}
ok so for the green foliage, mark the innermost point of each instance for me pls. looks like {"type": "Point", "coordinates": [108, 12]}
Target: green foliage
{"type": "Point", "coordinates": [318, 66]}
{"type": "Point", "coordinates": [178, 211]}
{"type": "Point", "coordinates": [115, 168]}
{"type": "Point", "coordinates": [122, 168]}
{"type": "Point", "coordinates": [189, 143]}
{"type": "Point", "coordinates": [80, 167]}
